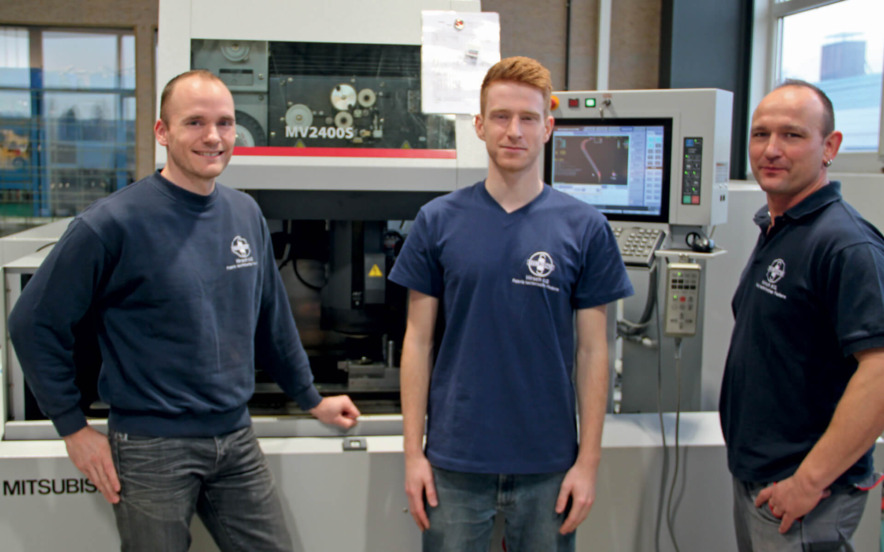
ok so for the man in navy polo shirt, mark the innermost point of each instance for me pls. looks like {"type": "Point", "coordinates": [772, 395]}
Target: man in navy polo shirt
{"type": "Point", "coordinates": [509, 262]}
{"type": "Point", "coordinates": [802, 400]}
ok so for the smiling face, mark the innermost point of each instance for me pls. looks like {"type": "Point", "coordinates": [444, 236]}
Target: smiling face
{"type": "Point", "coordinates": [514, 127]}
{"type": "Point", "coordinates": [198, 130]}
{"type": "Point", "coordinates": [787, 148]}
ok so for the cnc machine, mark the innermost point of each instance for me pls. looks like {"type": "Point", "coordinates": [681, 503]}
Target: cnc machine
{"type": "Point", "coordinates": [333, 145]}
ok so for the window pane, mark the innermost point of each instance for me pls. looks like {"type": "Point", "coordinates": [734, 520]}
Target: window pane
{"type": "Point", "coordinates": [78, 143]}
{"type": "Point", "coordinates": [80, 60]}
{"type": "Point", "coordinates": [15, 104]}
{"type": "Point", "coordinates": [840, 48]}
{"type": "Point", "coordinates": [14, 58]}
{"type": "Point", "coordinates": [87, 143]}
{"type": "Point", "coordinates": [127, 62]}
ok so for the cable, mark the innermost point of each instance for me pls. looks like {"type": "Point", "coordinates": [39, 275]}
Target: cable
{"type": "Point", "coordinates": [670, 513]}
{"type": "Point", "coordinates": [287, 248]}
{"type": "Point", "coordinates": [302, 280]}
{"type": "Point", "coordinates": [699, 243]}
{"type": "Point", "coordinates": [290, 258]}
{"type": "Point", "coordinates": [665, 466]}
{"type": "Point", "coordinates": [664, 472]}
{"type": "Point", "coordinates": [627, 328]}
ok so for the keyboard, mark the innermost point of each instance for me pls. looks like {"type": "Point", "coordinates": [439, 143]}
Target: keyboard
{"type": "Point", "coordinates": [637, 244]}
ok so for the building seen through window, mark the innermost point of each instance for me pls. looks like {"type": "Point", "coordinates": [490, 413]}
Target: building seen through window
{"type": "Point", "coordinates": [67, 119]}
{"type": "Point", "coordinates": [840, 48]}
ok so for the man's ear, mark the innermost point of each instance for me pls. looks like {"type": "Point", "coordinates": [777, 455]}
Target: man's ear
{"type": "Point", "coordinates": [479, 125]}
{"type": "Point", "coordinates": [160, 132]}
{"type": "Point", "coordinates": [550, 123]}
{"type": "Point", "coordinates": [832, 144]}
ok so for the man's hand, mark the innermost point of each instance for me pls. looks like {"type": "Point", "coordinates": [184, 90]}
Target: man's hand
{"type": "Point", "coordinates": [338, 410]}
{"type": "Point", "coordinates": [579, 486]}
{"type": "Point", "coordinates": [790, 500]}
{"type": "Point", "coordinates": [419, 480]}
{"type": "Point", "coordinates": [90, 451]}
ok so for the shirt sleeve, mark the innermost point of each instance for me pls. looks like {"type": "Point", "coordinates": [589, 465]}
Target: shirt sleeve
{"type": "Point", "coordinates": [43, 322]}
{"type": "Point", "coordinates": [603, 278]}
{"type": "Point", "coordinates": [417, 266]}
{"type": "Point", "coordinates": [278, 348]}
{"type": "Point", "coordinates": [856, 297]}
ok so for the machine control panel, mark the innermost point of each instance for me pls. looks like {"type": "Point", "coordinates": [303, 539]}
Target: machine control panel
{"type": "Point", "coordinates": [638, 244]}
{"type": "Point", "coordinates": [693, 162]}
{"type": "Point", "coordinates": [682, 299]}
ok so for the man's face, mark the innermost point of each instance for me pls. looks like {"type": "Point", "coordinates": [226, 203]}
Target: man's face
{"type": "Point", "coordinates": [514, 126]}
{"type": "Point", "coordinates": [787, 148]}
{"type": "Point", "coordinates": [199, 132]}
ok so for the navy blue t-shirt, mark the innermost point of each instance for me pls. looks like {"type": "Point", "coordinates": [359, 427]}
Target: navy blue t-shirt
{"type": "Point", "coordinates": [501, 395]}
{"type": "Point", "coordinates": [811, 295]}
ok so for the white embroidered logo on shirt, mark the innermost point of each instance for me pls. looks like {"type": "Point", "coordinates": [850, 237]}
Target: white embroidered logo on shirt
{"type": "Point", "coordinates": [240, 247]}
{"type": "Point", "coordinates": [243, 251]}
{"type": "Point", "coordinates": [775, 273]}
{"type": "Point", "coordinates": [540, 265]}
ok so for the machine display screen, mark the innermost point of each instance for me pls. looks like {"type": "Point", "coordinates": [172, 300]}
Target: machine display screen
{"type": "Point", "coordinates": [620, 166]}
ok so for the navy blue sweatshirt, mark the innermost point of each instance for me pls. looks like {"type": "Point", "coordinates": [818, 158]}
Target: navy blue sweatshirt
{"type": "Point", "coordinates": [188, 298]}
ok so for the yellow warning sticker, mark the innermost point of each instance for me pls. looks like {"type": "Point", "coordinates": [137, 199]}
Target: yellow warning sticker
{"type": "Point", "coordinates": [375, 272]}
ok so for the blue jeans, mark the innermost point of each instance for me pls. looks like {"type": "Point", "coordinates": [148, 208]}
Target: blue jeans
{"type": "Point", "coordinates": [827, 528]}
{"type": "Point", "coordinates": [468, 502]}
{"type": "Point", "coordinates": [224, 479]}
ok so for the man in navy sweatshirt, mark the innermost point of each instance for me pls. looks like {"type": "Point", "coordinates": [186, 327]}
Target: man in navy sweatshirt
{"type": "Point", "coordinates": [180, 275]}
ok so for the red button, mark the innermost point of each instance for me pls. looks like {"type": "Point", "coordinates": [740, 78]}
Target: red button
{"type": "Point", "coordinates": [573, 102]}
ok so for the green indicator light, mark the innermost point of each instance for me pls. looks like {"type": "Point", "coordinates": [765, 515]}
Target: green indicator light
{"type": "Point", "coordinates": [590, 102]}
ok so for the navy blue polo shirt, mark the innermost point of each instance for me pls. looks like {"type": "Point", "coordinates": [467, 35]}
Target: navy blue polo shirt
{"type": "Point", "coordinates": [811, 295]}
